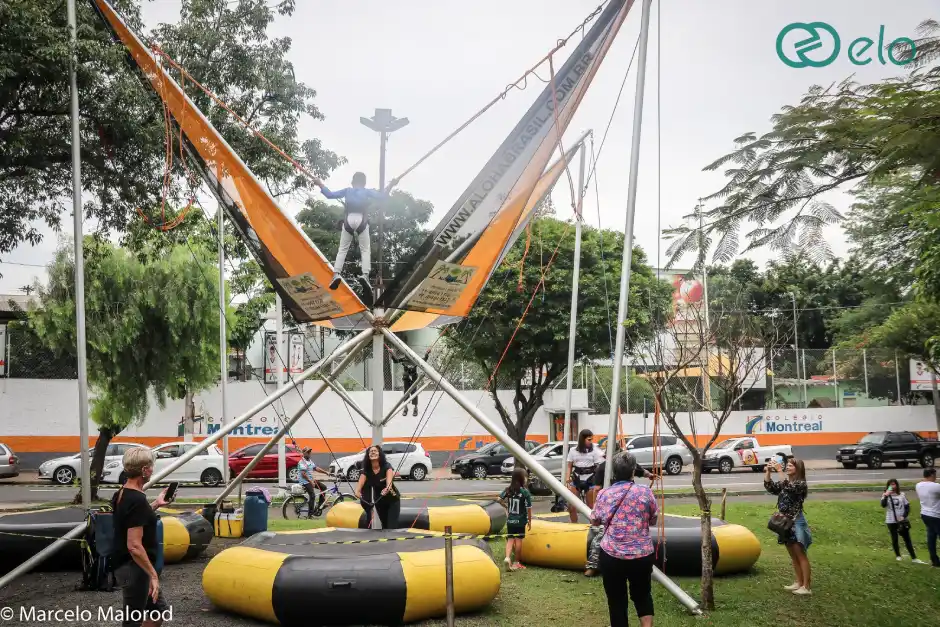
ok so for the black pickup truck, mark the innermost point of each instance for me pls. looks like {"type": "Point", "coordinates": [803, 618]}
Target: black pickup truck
{"type": "Point", "coordinates": [894, 447]}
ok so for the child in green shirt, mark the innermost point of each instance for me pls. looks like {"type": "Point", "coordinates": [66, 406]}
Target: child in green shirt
{"type": "Point", "coordinates": [518, 503]}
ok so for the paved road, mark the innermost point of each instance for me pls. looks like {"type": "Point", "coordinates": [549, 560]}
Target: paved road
{"type": "Point", "coordinates": [11, 493]}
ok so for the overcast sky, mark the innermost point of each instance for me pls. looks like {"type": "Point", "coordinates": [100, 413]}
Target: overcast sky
{"type": "Point", "coordinates": [438, 62]}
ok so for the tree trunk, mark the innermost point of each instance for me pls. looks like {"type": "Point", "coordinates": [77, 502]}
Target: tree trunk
{"type": "Point", "coordinates": [189, 412]}
{"type": "Point", "coordinates": [705, 509]}
{"type": "Point", "coordinates": [936, 400]}
{"type": "Point", "coordinates": [105, 435]}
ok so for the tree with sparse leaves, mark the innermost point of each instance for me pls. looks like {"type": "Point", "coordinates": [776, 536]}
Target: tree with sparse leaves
{"type": "Point", "coordinates": [152, 328]}
{"type": "Point", "coordinates": [538, 355]}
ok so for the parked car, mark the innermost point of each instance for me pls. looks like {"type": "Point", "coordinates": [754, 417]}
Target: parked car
{"type": "Point", "coordinates": [267, 467]}
{"type": "Point", "coordinates": [205, 468]}
{"type": "Point", "coordinates": [895, 447]}
{"type": "Point", "coordinates": [486, 460]}
{"type": "Point", "coordinates": [9, 463]}
{"type": "Point", "coordinates": [673, 454]}
{"type": "Point", "coordinates": [409, 459]}
{"type": "Point", "coordinates": [63, 470]}
{"type": "Point", "coordinates": [741, 453]}
{"type": "Point", "coordinates": [549, 456]}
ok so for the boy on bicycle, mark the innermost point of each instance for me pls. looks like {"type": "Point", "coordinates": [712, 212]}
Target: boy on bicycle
{"type": "Point", "coordinates": [307, 467]}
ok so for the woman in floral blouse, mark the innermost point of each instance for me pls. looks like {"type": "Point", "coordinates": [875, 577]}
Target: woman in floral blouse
{"type": "Point", "coordinates": [791, 492]}
{"type": "Point", "coordinates": [625, 512]}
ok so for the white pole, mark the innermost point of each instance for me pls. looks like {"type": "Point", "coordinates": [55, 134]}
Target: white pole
{"type": "Point", "coordinates": [281, 364]}
{"type": "Point", "coordinates": [573, 318]}
{"type": "Point", "coordinates": [223, 343]}
{"type": "Point", "coordinates": [521, 455]}
{"type": "Point", "coordinates": [79, 261]}
{"type": "Point", "coordinates": [897, 375]}
{"type": "Point", "coordinates": [378, 384]}
{"type": "Point", "coordinates": [865, 370]}
{"type": "Point", "coordinates": [805, 395]}
{"type": "Point", "coordinates": [628, 238]}
{"type": "Point", "coordinates": [835, 379]}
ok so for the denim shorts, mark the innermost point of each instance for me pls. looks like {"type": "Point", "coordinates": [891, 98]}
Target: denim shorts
{"type": "Point", "coordinates": [799, 534]}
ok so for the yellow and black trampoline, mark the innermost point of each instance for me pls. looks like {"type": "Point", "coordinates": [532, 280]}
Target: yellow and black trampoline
{"type": "Point", "coordinates": [474, 517]}
{"type": "Point", "coordinates": [348, 577]}
{"type": "Point", "coordinates": [564, 545]}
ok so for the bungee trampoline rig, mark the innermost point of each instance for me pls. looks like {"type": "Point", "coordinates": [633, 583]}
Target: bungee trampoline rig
{"type": "Point", "coordinates": [388, 575]}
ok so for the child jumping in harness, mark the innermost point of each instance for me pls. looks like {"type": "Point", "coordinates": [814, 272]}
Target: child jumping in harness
{"type": "Point", "coordinates": [409, 377]}
{"type": "Point", "coordinates": [358, 200]}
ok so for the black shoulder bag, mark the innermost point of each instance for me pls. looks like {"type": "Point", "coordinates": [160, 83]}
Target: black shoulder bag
{"type": "Point", "coordinates": [903, 525]}
{"type": "Point", "coordinates": [780, 523]}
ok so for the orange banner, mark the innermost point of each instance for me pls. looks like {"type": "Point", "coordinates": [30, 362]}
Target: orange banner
{"type": "Point", "coordinates": [293, 264]}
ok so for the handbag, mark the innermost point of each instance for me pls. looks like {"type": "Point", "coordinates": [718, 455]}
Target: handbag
{"type": "Point", "coordinates": [781, 524]}
{"type": "Point", "coordinates": [903, 525]}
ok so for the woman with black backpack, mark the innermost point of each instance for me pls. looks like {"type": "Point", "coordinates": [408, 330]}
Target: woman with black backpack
{"type": "Point", "coordinates": [897, 510]}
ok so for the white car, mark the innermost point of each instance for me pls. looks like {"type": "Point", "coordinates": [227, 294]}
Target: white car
{"type": "Point", "coordinates": [408, 459]}
{"type": "Point", "coordinates": [63, 470]}
{"type": "Point", "coordinates": [741, 453]}
{"type": "Point", "coordinates": [205, 468]}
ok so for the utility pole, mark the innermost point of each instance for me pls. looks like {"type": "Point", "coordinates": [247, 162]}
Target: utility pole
{"type": "Point", "coordinates": [383, 122]}
{"type": "Point", "coordinates": [278, 336]}
{"type": "Point", "coordinates": [223, 340]}
{"type": "Point", "coordinates": [796, 352]}
{"type": "Point", "coordinates": [79, 259]}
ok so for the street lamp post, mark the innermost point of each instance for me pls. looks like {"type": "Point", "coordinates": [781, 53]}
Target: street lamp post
{"type": "Point", "coordinates": [383, 122]}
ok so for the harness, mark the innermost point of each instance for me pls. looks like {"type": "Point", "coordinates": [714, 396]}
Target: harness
{"type": "Point", "coordinates": [355, 216]}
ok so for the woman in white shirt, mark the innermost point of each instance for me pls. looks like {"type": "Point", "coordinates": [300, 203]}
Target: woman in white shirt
{"type": "Point", "coordinates": [582, 464]}
{"type": "Point", "coordinates": [897, 510]}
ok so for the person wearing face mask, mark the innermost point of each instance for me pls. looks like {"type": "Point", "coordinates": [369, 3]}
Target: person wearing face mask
{"type": "Point", "coordinates": [376, 489]}
{"type": "Point", "coordinates": [791, 492]}
{"type": "Point", "coordinates": [135, 542]}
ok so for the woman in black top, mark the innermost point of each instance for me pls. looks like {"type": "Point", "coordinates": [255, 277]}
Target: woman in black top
{"type": "Point", "coordinates": [791, 493]}
{"type": "Point", "coordinates": [376, 490]}
{"type": "Point", "coordinates": [135, 541]}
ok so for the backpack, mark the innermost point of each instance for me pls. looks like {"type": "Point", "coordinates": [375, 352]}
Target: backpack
{"type": "Point", "coordinates": [98, 551]}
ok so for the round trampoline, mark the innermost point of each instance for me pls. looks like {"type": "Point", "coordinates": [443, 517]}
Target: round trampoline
{"type": "Point", "coordinates": [472, 517]}
{"type": "Point", "coordinates": [348, 577]}
{"type": "Point", "coordinates": [22, 535]}
{"type": "Point", "coordinates": [735, 549]}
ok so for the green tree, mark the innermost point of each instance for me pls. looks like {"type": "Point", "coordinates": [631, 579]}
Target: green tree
{"type": "Point", "coordinates": [539, 351]}
{"type": "Point", "coordinates": [151, 329]}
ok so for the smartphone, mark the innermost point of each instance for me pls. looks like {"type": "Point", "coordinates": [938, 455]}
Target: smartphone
{"type": "Point", "coordinates": [171, 491]}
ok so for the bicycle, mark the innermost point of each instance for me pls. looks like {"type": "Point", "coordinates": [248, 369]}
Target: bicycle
{"type": "Point", "coordinates": [297, 505]}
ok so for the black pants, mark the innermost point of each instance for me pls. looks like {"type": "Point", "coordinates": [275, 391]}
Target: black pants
{"type": "Point", "coordinates": [135, 590]}
{"type": "Point", "coordinates": [617, 573]}
{"type": "Point", "coordinates": [407, 382]}
{"type": "Point", "coordinates": [309, 487]}
{"type": "Point", "coordinates": [387, 508]}
{"type": "Point", "coordinates": [904, 533]}
{"type": "Point", "coordinates": [933, 532]}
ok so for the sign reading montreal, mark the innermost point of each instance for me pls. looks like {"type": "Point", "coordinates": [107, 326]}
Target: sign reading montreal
{"type": "Point", "coordinates": [764, 423]}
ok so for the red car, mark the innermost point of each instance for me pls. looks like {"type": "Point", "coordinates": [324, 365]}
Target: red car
{"type": "Point", "coordinates": [267, 467]}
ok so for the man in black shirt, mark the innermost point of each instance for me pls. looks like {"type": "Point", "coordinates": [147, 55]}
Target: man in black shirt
{"type": "Point", "coordinates": [135, 542]}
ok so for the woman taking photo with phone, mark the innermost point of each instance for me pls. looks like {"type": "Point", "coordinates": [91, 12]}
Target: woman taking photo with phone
{"type": "Point", "coordinates": [897, 510]}
{"type": "Point", "coordinates": [791, 492]}
{"type": "Point", "coordinates": [376, 490]}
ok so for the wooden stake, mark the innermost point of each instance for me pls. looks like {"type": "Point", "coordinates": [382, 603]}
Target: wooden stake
{"type": "Point", "coordinates": [724, 501]}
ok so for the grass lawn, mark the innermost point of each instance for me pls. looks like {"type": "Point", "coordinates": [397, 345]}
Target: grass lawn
{"type": "Point", "coordinates": [856, 580]}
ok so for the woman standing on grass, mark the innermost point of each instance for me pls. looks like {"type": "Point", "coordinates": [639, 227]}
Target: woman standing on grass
{"type": "Point", "coordinates": [625, 512]}
{"type": "Point", "coordinates": [518, 503]}
{"type": "Point", "coordinates": [897, 509]}
{"type": "Point", "coordinates": [791, 492]}
{"type": "Point", "coordinates": [376, 490]}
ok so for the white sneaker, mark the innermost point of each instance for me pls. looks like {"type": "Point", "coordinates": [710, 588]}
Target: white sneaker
{"type": "Point", "coordinates": [899, 558]}
{"type": "Point", "coordinates": [918, 561]}
{"type": "Point", "coordinates": [508, 564]}
{"type": "Point", "coordinates": [792, 587]}
{"type": "Point", "coordinates": [803, 592]}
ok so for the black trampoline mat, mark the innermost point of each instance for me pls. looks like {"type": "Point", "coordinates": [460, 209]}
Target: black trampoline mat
{"type": "Point", "coordinates": [672, 521]}
{"type": "Point", "coordinates": [420, 503]}
{"type": "Point", "coordinates": [310, 544]}
{"type": "Point", "coordinates": [49, 516]}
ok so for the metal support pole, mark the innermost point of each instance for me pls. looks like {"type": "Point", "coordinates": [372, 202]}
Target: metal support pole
{"type": "Point", "coordinates": [279, 436]}
{"type": "Point", "coordinates": [268, 400]}
{"type": "Point", "coordinates": [449, 574]}
{"type": "Point", "coordinates": [773, 391]}
{"type": "Point", "coordinates": [805, 395]}
{"type": "Point", "coordinates": [378, 385]}
{"type": "Point", "coordinates": [520, 454]}
{"type": "Point", "coordinates": [628, 237]}
{"type": "Point", "coordinates": [835, 379]}
{"type": "Point", "coordinates": [796, 347]}
{"type": "Point", "coordinates": [343, 394]}
{"type": "Point", "coordinates": [573, 317]}
{"type": "Point", "coordinates": [865, 370]}
{"type": "Point", "coordinates": [223, 340]}
{"type": "Point", "coordinates": [281, 365]}
{"type": "Point", "coordinates": [80, 339]}
{"type": "Point", "coordinates": [897, 375]}
{"type": "Point", "coordinates": [410, 393]}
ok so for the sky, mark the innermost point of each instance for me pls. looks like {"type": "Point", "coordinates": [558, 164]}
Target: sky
{"type": "Point", "coordinates": [713, 75]}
